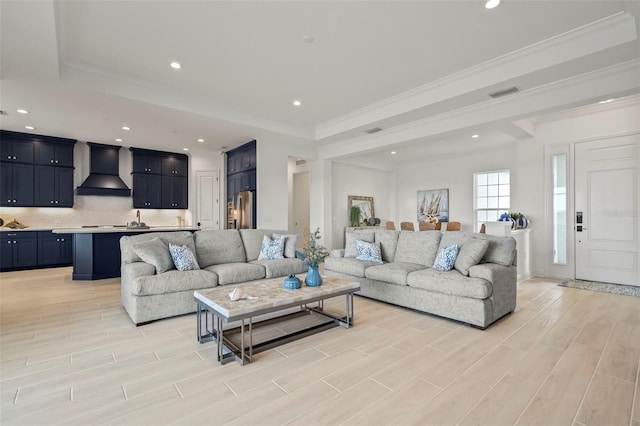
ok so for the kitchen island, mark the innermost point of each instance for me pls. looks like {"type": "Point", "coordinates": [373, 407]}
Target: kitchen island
{"type": "Point", "coordinates": [96, 249]}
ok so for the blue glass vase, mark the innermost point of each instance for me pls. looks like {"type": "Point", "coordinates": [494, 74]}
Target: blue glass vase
{"type": "Point", "coordinates": [313, 278]}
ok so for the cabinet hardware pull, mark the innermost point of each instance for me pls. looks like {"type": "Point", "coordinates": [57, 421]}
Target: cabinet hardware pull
{"type": "Point", "coordinates": [14, 157]}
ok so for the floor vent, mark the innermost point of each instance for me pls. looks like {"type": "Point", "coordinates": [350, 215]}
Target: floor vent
{"type": "Point", "coordinates": [373, 130]}
{"type": "Point", "coordinates": [505, 92]}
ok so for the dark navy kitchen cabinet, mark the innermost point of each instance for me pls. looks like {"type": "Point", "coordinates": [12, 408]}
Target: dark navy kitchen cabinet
{"type": "Point", "coordinates": [18, 250]}
{"type": "Point", "coordinates": [53, 186]}
{"type": "Point", "coordinates": [24, 181]}
{"type": "Point", "coordinates": [175, 165]}
{"type": "Point", "coordinates": [55, 249]}
{"type": "Point", "coordinates": [146, 163]}
{"type": "Point", "coordinates": [16, 188]}
{"type": "Point", "coordinates": [147, 191]}
{"type": "Point", "coordinates": [175, 192]}
{"type": "Point", "coordinates": [15, 148]}
{"type": "Point", "coordinates": [52, 154]}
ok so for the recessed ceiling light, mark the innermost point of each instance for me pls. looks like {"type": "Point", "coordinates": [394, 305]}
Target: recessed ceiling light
{"type": "Point", "coordinates": [23, 111]}
{"type": "Point", "coordinates": [200, 140]}
{"type": "Point", "coordinates": [29, 127]}
{"type": "Point", "coordinates": [118, 140]}
{"type": "Point", "coordinates": [308, 39]}
{"type": "Point", "coordinates": [393, 152]}
{"type": "Point", "coordinates": [175, 65]}
{"type": "Point", "coordinates": [490, 4]}
{"type": "Point", "coordinates": [127, 128]}
{"type": "Point", "coordinates": [185, 149]}
{"type": "Point", "coordinates": [297, 103]}
{"type": "Point", "coordinates": [475, 136]}
{"type": "Point", "coordinates": [606, 101]}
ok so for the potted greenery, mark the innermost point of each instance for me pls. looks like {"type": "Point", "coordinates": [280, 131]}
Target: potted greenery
{"type": "Point", "coordinates": [354, 216]}
{"type": "Point", "coordinates": [315, 253]}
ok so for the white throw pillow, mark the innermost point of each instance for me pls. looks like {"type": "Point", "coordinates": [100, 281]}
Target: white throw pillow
{"type": "Point", "coordinates": [272, 249]}
{"type": "Point", "coordinates": [290, 243]}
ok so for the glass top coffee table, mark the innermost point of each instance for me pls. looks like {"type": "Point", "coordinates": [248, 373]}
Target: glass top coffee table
{"type": "Point", "coordinates": [215, 309]}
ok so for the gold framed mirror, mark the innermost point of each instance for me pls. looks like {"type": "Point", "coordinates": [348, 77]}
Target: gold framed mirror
{"type": "Point", "coordinates": [365, 204]}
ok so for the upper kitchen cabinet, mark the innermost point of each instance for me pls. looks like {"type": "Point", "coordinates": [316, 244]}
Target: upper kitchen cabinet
{"type": "Point", "coordinates": [167, 192]}
{"type": "Point", "coordinates": [36, 170]}
{"type": "Point", "coordinates": [52, 154]}
{"type": "Point", "coordinates": [242, 159]}
{"type": "Point", "coordinates": [145, 161]}
{"type": "Point", "coordinates": [175, 165]}
{"type": "Point", "coordinates": [16, 147]}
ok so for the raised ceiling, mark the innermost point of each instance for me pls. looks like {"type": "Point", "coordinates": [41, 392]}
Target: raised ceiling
{"type": "Point", "coordinates": [85, 68]}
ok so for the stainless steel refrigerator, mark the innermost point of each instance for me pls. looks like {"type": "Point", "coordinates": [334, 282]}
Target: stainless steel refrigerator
{"type": "Point", "coordinates": [245, 204]}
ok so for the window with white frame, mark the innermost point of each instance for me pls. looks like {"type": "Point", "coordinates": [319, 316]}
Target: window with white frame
{"type": "Point", "coordinates": [492, 196]}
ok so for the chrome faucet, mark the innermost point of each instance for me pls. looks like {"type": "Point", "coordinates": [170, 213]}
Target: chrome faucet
{"type": "Point", "coordinates": [138, 217]}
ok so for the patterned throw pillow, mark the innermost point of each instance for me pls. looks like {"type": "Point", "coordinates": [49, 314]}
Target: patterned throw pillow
{"type": "Point", "coordinates": [290, 243]}
{"type": "Point", "coordinates": [368, 252]}
{"type": "Point", "coordinates": [446, 258]}
{"type": "Point", "coordinates": [183, 258]}
{"type": "Point", "coordinates": [272, 249]}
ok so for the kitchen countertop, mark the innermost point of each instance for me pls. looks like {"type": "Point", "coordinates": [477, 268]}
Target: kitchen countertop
{"type": "Point", "coordinates": [25, 229]}
{"type": "Point", "coordinates": [114, 229]}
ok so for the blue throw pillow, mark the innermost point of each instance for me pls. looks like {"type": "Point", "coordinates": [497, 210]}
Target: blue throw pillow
{"type": "Point", "coordinates": [446, 258]}
{"type": "Point", "coordinates": [183, 258]}
{"type": "Point", "coordinates": [272, 249]}
{"type": "Point", "coordinates": [368, 252]}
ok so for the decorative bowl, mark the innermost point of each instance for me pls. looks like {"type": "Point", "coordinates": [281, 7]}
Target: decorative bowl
{"type": "Point", "coordinates": [292, 282]}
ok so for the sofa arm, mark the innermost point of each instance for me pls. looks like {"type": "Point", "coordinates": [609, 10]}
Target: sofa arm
{"type": "Point", "coordinates": [337, 253]}
{"type": "Point", "coordinates": [504, 281]}
{"type": "Point", "coordinates": [130, 271]}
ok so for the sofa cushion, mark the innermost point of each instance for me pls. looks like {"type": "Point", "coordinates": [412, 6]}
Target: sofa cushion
{"type": "Point", "coordinates": [446, 258]}
{"type": "Point", "coordinates": [156, 253]}
{"type": "Point", "coordinates": [216, 247]}
{"type": "Point", "coordinates": [418, 247]}
{"type": "Point", "coordinates": [347, 265]}
{"type": "Point", "coordinates": [470, 254]}
{"type": "Point", "coordinates": [282, 267]}
{"type": "Point", "coordinates": [128, 255]}
{"type": "Point", "coordinates": [368, 252]}
{"type": "Point", "coordinates": [394, 273]}
{"type": "Point", "coordinates": [290, 243]}
{"type": "Point", "coordinates": [450, 282]}
{"type": "Point", "coordinates": [183, 258]}
{"type": "Point", "coordinates": [272, 249]}
{"type": "Point", "coordinates": [388, 243]}
{"type": "Point", "coordinates": [252, 240]}
{"type": "Point", "coordinates": [231, 273]}
{"type": "Point", "coordinates": [501, 250]}
{"type": "Point", "coordinates": [350, 239]}
{"type": "Point", "coordinates": [173, 282]}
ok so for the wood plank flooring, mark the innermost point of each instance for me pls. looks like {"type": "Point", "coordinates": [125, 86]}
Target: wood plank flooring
{"type": "Point", "coordinates": [69, 354]}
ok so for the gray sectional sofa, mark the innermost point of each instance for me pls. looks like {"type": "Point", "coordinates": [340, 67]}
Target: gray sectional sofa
{"type": "Point", "coordinates": [480, 290]}
{"type": "Point", "coordinates": [225, 257]}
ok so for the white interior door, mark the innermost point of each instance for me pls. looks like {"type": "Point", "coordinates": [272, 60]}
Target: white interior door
{"type": "Point", "coordinates": [301, 205]}
{"type": "Point", "coordinates": [208, 199]}
{"type": "Point", "coordinates": [607, 219]}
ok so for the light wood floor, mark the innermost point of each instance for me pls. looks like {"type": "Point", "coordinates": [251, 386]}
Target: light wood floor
{"type": "Point", "coordinates": [70, 355]}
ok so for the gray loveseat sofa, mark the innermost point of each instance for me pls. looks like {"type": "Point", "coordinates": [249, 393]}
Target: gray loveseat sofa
{"type": "Point", "coordinates": [225, 257]}
{"type": "Point", "coordinates": [480, 290]}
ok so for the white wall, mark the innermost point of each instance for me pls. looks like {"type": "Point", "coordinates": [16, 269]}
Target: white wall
{"type": "Point", "coordinates": [100, 210]}
{"type": "Point", "coordinates": [367, 182]}
{"type": "Point", "coordinates": [454, 172]}
{"type": "Point", "coordinates": [273, 180]}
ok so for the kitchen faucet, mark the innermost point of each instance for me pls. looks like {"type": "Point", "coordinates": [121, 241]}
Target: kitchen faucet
{"type": "Point", "coordinates": [138, 217]}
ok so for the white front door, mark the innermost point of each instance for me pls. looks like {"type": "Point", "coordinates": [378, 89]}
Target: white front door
{"type": "Point", "coordinates": [208, 199]}
{"type": "Point", "coordinates": [607, 210]}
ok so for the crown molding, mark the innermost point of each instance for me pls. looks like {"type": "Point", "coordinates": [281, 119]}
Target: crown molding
{"type": "Point", "coordinates": [625, 102]}
{"type": "Point", "coordinates": [591, 38]}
